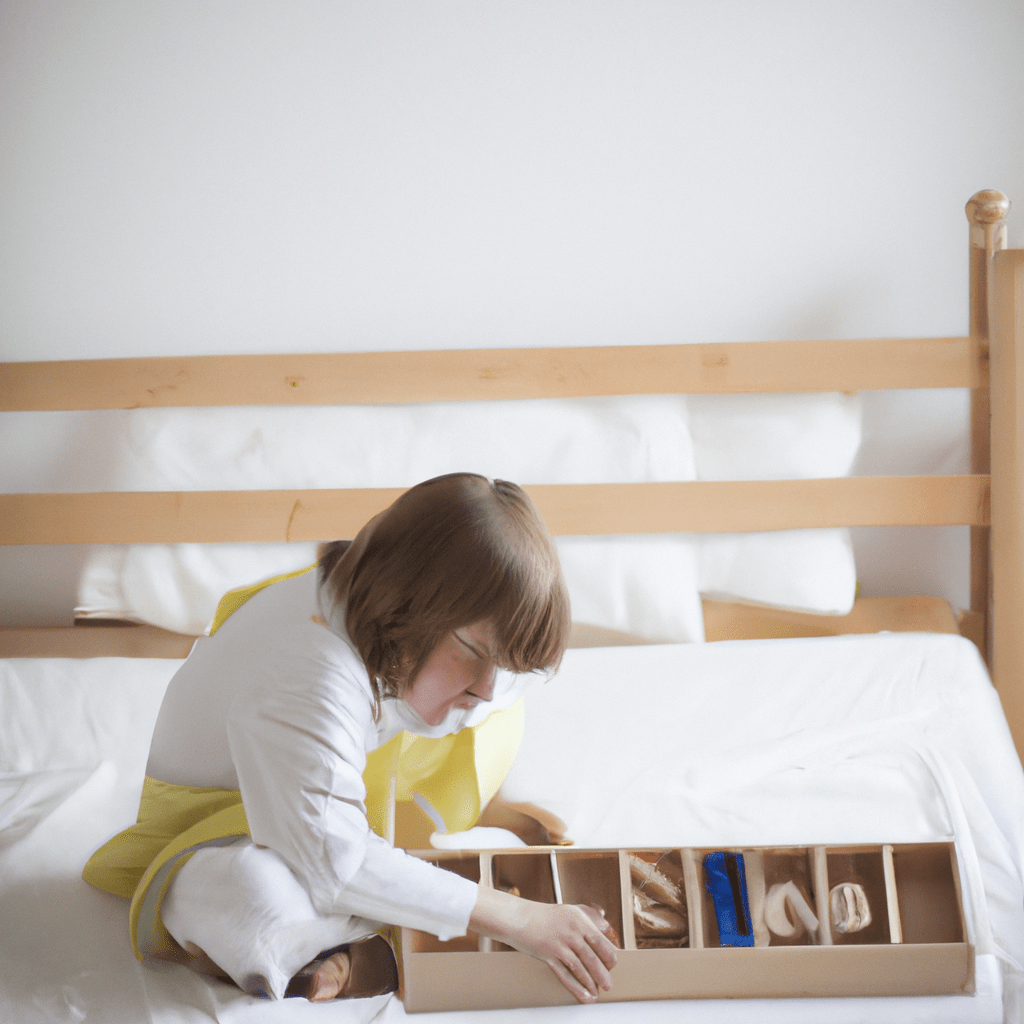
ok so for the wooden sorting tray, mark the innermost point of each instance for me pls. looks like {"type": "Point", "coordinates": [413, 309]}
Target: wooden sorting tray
{"type": "Point", "coordinates": [915, 944]}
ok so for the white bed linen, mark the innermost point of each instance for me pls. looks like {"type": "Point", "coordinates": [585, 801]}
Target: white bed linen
{"type": "Point", "coordinates": [886, 738]}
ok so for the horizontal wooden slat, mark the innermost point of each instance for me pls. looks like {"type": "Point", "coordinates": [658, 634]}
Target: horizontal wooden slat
{"type": "Point", "coordinates": [735, 620]}
{"type": "Point", "coordinates": [459, 375]}
{"type": "Point", "coordinates": [740, 506]}
{"type": "Point", "coordinates": [93, 642]}
{"type": "Point", "coordinates": [181, 517]}
{"type": "Point", "coordinates": [585, 509]}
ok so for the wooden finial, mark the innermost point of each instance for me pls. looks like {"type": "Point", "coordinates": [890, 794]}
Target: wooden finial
{"type": "Point", "coordinates": [987, 207]}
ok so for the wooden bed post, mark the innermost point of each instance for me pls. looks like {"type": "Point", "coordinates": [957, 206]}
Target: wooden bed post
{"type": "Point", "coordinates": [986, 212]}
{"type": "Point", "coordinates": [1007, 608]}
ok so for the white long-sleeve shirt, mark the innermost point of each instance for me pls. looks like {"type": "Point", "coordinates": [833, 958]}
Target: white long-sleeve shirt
{"type": "Point", "coordinates": [279, 706]}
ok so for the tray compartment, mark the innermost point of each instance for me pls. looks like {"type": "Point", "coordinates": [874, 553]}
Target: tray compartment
{"type": "Point", "coordinates": [928, 893]}
{"type": "Point", "coordinates": [529, 875]}
{"type": "Point", "coordinates": [789, 883]}
{"type": "Point", "coordinates": [731, 869]}
{"type": "Point", "coordinates": [656, 894]}
{"type": "Point", "coordinates": [525, 874]}
{"type": "Point", "coordinates": [465, 864]}
{"type": "Point", "coordinates": [468, 866]}
{"type": "Point", "coordinates": [862, 866]}
{"type": "Point", "coordinates": [591, 877]}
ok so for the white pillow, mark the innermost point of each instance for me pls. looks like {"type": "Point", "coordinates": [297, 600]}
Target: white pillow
{"type": "Point", "coordinates": [647, 586]}
{"type": "Point", "coordinates": [774, 437]}
{"type": "Point", "coordinates": [178, 586]}
{"type": "Point", "coordinates": [641, 585]}
{"type": "Point", "coordinates": [804, 570]}
{"type": "Point", "coordinates": [777, 437]}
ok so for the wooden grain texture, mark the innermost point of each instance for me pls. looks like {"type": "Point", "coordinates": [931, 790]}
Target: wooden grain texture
{"type": "Point", "coordinates": [986, 214]}
{"type": "Point", "coordinates": [1007, 564]}
{"type": "Point", "coordinates": [141, 517]}
{"type": "Point", "coordinates": [94, 641]}
{"type": "Point", "coordinates": [971, 625]}
{"type": "Point", "coordinates": [737, 620]}
{"type": "Point", "coordinates": [458, 375]}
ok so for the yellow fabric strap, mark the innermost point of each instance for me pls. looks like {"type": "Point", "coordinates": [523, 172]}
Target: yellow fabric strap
{"type": "Point", "coordinates": [165, 811]}
{"type": "Point", "coordinates": [234, 599]}
{"type": "Point", "coordinates": [172, 820]}
{"type": "Point", "coordinates": [457, 775]}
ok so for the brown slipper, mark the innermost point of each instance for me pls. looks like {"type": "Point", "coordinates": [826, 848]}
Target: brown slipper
{"type": "Point", "coordinates": [372, 970]}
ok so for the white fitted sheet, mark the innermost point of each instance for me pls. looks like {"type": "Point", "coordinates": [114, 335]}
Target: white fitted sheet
{"type": "Point", "coordinates": [859, 739]}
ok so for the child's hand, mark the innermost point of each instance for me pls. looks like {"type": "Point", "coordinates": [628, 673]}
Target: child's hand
{"type": "Point", "coordinates": [576, 942]}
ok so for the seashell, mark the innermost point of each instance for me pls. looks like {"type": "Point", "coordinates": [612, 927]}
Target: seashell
{"type": "Point", "coordinates": [655, 883]}
{"type": "Point", "coordinates": [849, 905]}
{"type": "Point", "coordinates": [655, 919]}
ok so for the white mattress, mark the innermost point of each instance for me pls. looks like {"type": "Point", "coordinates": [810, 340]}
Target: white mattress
{"type": "Point", "coordinates": [870, 739]}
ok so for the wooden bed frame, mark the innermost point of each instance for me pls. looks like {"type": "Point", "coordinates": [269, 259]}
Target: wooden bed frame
{"type": "Point", "coordinates": [988, 500]}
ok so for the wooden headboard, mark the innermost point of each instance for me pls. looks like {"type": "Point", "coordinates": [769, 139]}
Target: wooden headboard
{"type": "Point", "coordinates": [988, 499]}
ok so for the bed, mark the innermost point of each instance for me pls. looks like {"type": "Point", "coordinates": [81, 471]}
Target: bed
{"type": "Point", "coordinates": [873, 723]}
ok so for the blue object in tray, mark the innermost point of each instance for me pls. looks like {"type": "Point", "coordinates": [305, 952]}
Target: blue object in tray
{"type": "Point", "coordinates": [726, 881]}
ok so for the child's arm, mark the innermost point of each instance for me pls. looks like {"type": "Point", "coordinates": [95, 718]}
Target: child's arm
{"type": "Point", "coordinates": [576, 942]}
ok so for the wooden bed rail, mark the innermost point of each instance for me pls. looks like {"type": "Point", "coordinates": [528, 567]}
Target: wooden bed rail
{"type": "Point", "coordinates": [354, 378]}
{"type": "Point", "coordinates": [177, 517]}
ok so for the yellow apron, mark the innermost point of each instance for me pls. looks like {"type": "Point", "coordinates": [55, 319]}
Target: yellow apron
{"type": "Point", "coordinates": [457, 775]}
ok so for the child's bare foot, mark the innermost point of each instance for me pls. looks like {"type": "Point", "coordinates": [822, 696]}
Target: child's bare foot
{"type": "Point", "coordinates": [330, 978]}
{"type": "Point", "coordinates": [362, 969]}
{"type": "Point", "coordinates": [533, 824]}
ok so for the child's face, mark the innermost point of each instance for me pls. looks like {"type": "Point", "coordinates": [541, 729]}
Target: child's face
{"type": "Point", "coordinates": [458, 674]}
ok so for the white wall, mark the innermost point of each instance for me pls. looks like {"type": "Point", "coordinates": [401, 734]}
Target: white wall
{"type": "Point", "coordinates": [262, 175]}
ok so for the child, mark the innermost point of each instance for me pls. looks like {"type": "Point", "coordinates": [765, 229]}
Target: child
{"type": "Point", "coordinates": [253, 857]}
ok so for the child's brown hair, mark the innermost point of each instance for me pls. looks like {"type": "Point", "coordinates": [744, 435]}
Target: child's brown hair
{"type": "Point", "coordinates": [450, 552]}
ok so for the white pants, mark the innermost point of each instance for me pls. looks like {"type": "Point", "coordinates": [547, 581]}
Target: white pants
{"type": "Point", "coordinates": [242, 906]}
